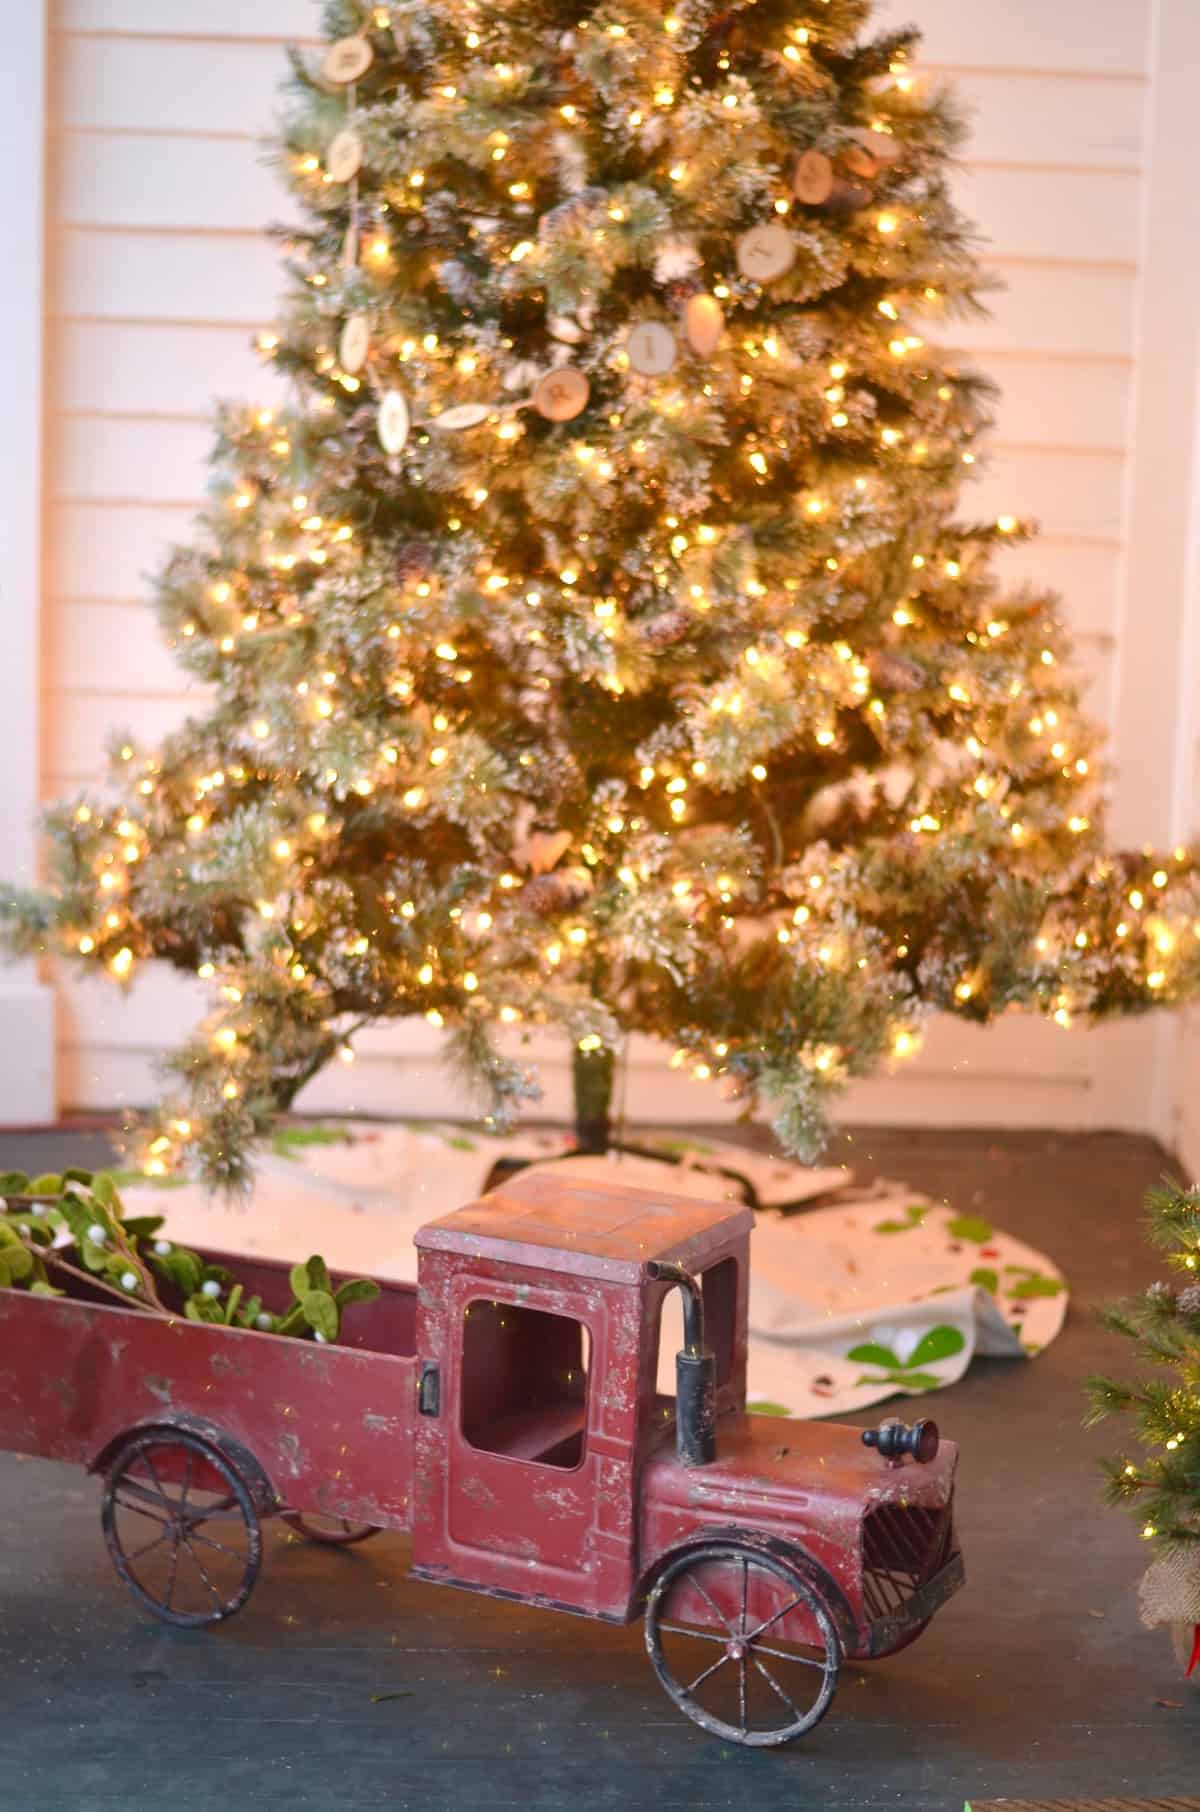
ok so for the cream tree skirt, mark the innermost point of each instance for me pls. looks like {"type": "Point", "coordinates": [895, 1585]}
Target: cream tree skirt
{"type": "Point", "coordinates": [877, 1293]}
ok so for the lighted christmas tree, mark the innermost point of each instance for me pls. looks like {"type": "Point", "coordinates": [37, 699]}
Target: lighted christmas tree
{"type": "Point", "coordinates": [597, 642]}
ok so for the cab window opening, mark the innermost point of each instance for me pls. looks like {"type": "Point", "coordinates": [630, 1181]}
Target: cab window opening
{"type": "Point", "coordinates": [524, 1383]}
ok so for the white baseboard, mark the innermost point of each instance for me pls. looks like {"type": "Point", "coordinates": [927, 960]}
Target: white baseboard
{"type": "Point", "coordinates": [28, 1094]}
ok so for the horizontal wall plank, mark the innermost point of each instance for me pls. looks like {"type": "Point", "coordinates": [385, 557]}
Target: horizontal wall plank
{"type": "Point", "coordinates": [1085, 574]}
{"type": "Point", "coordinates": [1054, 309]}
{"type": "Point", "coordinates": [134, 84]}
{"type": "Point", "coordinates": [130, 368]}
{"type": "Point", "coordinates": [139, 180]}
{"type": "Point", "coordinates": [1060, 402]}
{"type": "Point", "coordinates": [136, 180]}
{"type": "Point", "coordinates": [1025, 212]}
{"type": "Point", "coordinates": [110, 648]}
{"type": "Point", "coordinates": [148, 84]}
{"type": "Point", "coordinates": [96, 1079]}
{"type": "Point", "coordinates": [1049, 119]}
{"type": "Point", "coordinates": [152, 277]}
{"type": "Point", "coordinates": [152, 84]}
{"type": "Point", "coordinates": [97, 552]}
{"type": "Point", "coordinates": [162, 1005]}
{"type": "Point", "coordinates": [79, 727]}
{"type": "Point", "coordinates": [99, 1077]}
{"type": "Point", "coordinates": [1072, 494]}
{"type": "Point", "coordinates": [99, 458]}
{"type": "Point", "coordinates": [124, 368]}
{"type": "Point", "coordinates": [184, 19]}
{"type": "Point", "coordinates": [1076, 35]}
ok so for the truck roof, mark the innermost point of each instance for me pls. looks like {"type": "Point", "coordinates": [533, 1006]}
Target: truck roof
{"type": "Point", "coordinates": [594, 1229]}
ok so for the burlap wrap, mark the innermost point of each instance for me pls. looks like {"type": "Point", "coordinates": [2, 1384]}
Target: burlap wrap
{"type": "Point", "coordinates": [1170, 1588]}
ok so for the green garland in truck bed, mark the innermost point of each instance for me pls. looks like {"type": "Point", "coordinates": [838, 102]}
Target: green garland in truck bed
{"type": "Point", "coordinates": [126, 1256]}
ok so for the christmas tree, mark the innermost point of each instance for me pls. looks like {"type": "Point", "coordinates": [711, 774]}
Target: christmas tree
{"type": "Point", "coordinates": [597, 642]}
{"type": "Point", "coordinates": [1162, 1488]}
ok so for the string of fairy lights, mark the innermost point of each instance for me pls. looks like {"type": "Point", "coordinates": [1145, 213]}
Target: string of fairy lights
{"type": "Point", "coordinates": [457, 413]}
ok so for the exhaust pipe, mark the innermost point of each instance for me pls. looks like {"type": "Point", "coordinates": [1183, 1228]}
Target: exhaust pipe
{"type": "Point", "coordinates": [695, 1372]}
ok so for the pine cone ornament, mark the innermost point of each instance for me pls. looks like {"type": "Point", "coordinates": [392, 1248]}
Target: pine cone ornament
{"type": "Point", "coordinates": [1160, 1294]}
{"type": "Point", "coordinates": [892, 673]}
{"type": "Point", "coordinates": [413, 560]}
{"type": "Point", "coordinates": [667, 628]}
{"type": "Point", "coordinates": [548, 894]}
{"type": "Point", "coordinates": [1188, 1299]}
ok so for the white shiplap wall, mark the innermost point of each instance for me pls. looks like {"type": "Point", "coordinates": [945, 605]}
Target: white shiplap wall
{"type": "Point", "coordinates": [159, 272]}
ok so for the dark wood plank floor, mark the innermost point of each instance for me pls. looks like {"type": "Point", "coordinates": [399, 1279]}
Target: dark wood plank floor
{"type": "Point", "coordinates": [344, 1685]}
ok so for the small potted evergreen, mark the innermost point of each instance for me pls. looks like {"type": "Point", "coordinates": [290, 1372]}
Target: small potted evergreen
{"type": "Point", "coordinates": [1162, 1487]}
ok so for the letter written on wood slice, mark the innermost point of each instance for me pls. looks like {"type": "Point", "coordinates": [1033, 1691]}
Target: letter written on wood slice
{"type": "Point", "coordinates": [562, 394]}
{"type": "Point", "coordinates": [651, 348]}
{"type": "Point", "coordinates": [346, 60]}
{"type": "Point", "coordinates": [766, 252]}
{"type": "Point", "coordinates": [344, 158]}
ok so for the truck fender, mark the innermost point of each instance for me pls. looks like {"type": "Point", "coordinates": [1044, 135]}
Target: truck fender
{"type": "Point", "coordinates": [238, 1455]}
{"type": "Point", "coordinates": [816, 1575]}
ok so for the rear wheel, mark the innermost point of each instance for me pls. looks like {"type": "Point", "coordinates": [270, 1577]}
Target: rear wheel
{"type": "Point", "coordinates": [330, 1531]}
{"type": "Point", "coordinates": [713, 1632]}
{"type": "Point", "coordinates": [181, 1527]}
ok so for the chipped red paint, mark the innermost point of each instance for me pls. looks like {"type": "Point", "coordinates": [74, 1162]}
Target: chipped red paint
{"type": "Point", "coordinates": [548, 1472]}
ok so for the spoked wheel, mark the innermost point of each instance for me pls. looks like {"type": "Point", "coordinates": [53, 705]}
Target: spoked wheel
{"type": "Point", "coordinates": [330, 1531]}
{"type": "Point", "coordinates": [715, 1632]}
{"type": "Point", "coordinates": [181, 1527]}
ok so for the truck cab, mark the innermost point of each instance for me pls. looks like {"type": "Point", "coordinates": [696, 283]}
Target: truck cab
{"type": "Point", "coordinates": [550, 1466]}
{"type": "Point", "coordinates": [537, 1350]}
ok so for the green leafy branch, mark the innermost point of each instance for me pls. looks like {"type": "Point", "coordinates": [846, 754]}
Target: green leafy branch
{"type": "Point", "coordinates": [127, 1257]}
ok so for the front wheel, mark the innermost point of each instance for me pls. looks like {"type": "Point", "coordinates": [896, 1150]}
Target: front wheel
{"type": "Point", "coordinates": [715, 1624]}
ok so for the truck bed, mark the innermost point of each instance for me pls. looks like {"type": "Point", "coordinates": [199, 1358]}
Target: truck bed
{"type": "Point", "coordinates": [331, 1426]}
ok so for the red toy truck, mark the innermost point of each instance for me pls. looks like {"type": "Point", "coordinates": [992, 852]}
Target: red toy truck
{"type": "Point", "coordinates": [505, 1411]}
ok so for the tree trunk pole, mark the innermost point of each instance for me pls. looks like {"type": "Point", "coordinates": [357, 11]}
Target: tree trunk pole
{"type": "Point", "coordinates": [594, 1073]}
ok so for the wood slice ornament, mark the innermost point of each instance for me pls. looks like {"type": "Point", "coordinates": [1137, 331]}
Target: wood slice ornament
{"type": "Point", "coordinates": [703, 324]}
{"type": "Point", "coordinates": [812, 179]}
{"type": "Point", "coordinates": [355, 343]}
{"type": "Point", "coordinates": [344, 158]}
{"type": "Point", "coordinates": [346, 60]}
{"type": "Point", "coordinates": [766, 252]}
{"type": "Point", "coordinates": [462, 415]}
{"type": "Point", "coordinates": [562, 394]}
{"type": "Point", "coordinates": [393, 422]}
{"type": "Point", "coordinates": [651, 348]}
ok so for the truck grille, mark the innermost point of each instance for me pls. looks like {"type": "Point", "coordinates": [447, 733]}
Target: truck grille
{"type": "Point", "coordinates": [903, 1547]}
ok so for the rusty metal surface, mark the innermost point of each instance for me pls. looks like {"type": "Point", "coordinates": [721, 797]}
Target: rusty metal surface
{"type": "Point", "coordinates": [810, 1484]}
{"type": "Point", "coordinates": [601, 1230]}
{"type": "Point", "coordinates": [331, 1427]}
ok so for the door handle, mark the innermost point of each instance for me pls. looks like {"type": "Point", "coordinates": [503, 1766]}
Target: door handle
{"type": "Point", "coordinates": [429, 1389]}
